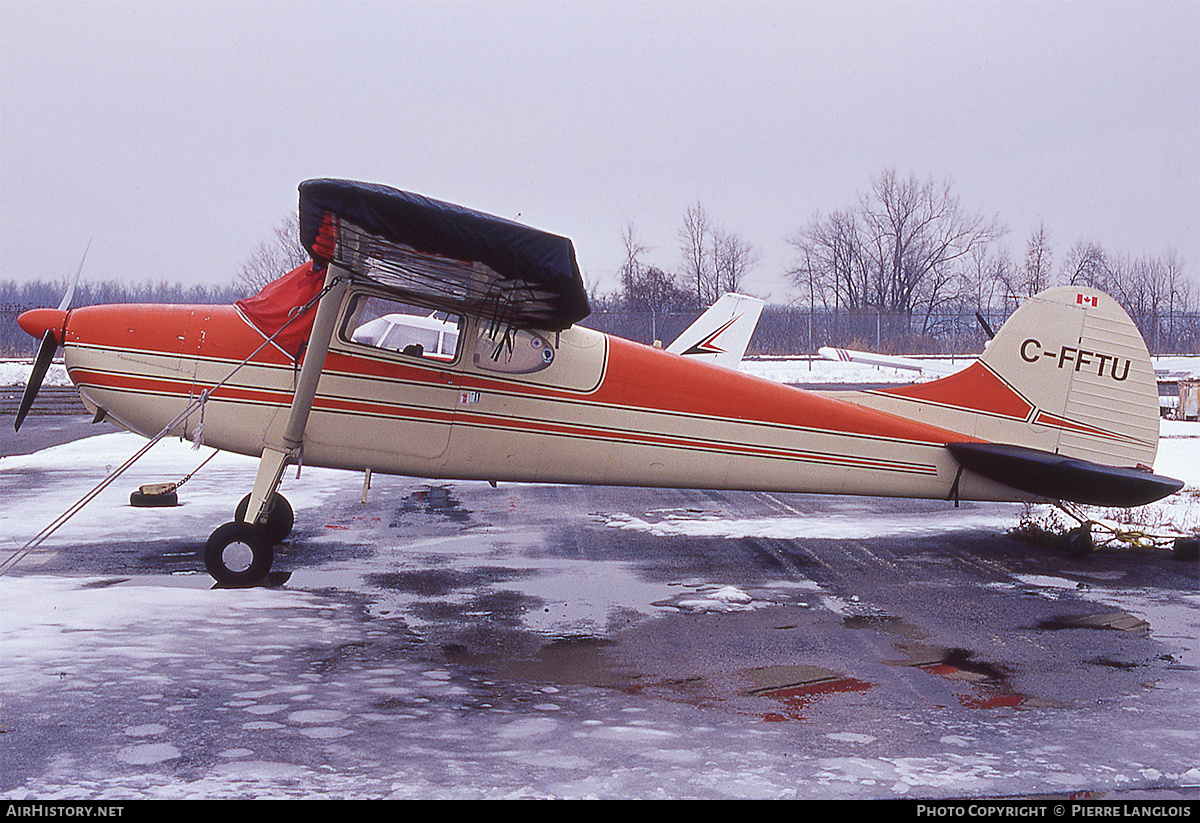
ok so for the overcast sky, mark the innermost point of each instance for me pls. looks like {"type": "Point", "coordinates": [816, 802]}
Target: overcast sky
{"type": "Point", "coordinates": [172, 135]}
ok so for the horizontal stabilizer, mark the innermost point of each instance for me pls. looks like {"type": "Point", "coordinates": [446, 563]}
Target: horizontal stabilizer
{"type": "Point", "coordinates": [1056, 477]}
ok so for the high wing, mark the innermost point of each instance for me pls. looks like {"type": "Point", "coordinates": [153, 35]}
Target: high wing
{"type": "Point", "coordinates": [722, 334]}
{"type": "Point", "coordinates": [446, 255]}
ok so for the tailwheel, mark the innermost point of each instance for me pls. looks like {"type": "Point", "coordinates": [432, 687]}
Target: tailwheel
{"type": "Point", "coordinates": [280, 518]}
{"type": "Point", "coordinates": [238, 554]}
{"type": "Point", "coordinates": [1079, 542]}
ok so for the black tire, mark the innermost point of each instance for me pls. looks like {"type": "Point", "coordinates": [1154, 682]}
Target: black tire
{"type": "Point", "coordinates": [280, 518]}
{"type": "Point", "coordinates": [238, 555]}
{"type": "Point", "coordinates": [1079, 542]}
{"type": "Point", "coordinates": [144, 501]}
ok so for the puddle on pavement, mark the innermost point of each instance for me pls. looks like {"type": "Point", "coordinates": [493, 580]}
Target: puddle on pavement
{"type": "Point", "coordinates": [796, 687]}
{"type": "Point", "coordinates": [572, 661]}
{"type": "Point", "coordinates": [986, 684]}
{"type": "Point", "coordinates": [882, 623]}
{"type": "Point", "coordinates": [1119, 621]}
{"type": "Point", "coordinates": [430, 502]}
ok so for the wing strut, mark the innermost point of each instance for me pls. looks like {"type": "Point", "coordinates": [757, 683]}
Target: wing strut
{"type": "Point", "coordinates": [276, 456]}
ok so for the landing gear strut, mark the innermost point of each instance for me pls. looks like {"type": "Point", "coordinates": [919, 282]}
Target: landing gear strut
{"type": "Point", "coordinates": [240, 554]}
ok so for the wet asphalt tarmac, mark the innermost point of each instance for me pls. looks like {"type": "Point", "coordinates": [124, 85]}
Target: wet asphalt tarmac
{"type": "Point", "coordinates": [457, 640]}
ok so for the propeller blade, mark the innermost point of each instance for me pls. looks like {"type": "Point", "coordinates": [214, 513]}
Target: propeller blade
{"type": "Point", "coordinates": [66, 301]}
{"type": "Point", "coordinates": [52, 322]}
{"type": "Point", "coordinates": [41, 363]}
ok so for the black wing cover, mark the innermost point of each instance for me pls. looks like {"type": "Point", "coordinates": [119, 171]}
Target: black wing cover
{"type": "Point", "coordinates": [446, 254]}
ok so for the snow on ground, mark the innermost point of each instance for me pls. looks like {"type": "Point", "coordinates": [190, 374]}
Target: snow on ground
{"type": "Point", "coordinates": [77, 467]}
{"type": "Point", "coordinates": [16, 373]}
{"type": "Point", "coordinates": [76, 626]}
{"type": "Point", "coordinates": [848, 525]}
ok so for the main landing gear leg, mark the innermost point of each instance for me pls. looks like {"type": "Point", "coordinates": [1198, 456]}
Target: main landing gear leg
{"type": "Point", "coordinates": [241, 553]}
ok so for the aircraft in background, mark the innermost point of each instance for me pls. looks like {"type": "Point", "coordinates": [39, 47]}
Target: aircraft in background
{"type": "Point", "coordinates": [721, 335]}
{"type": "Point", "coordinates": [933, 367]}
{"type": "Point", "coordinates": [1061, 406]}
{"type": "Point", "coordinates": [415, 334]}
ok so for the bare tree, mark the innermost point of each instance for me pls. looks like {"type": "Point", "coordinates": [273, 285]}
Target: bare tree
{"type": "Point", "coordinates": [1182, 293]}
{"type": "Point", "coordinates": [275, 258]}
{"type": "Point", "coordinates": [982, 285]}
{"type": "Point", "coordinates": [1034, 276]}
{"type": "Point", "coordinates": [918, 233]}
{"type": "Point", "coordinates": [901, 250]}
{"type": "Point", "coordinates": [1086, 265]}
{"type": "Point", "coordinates": [631, 268]}
{"type": "Point", "coordinates": [732, 258]}
{"type": "Point", "coordinates": [645, 287]}
{"type": "Point", "coordinates": [833, 268]}
{"type": "Point", "coordinates": [695, 235]}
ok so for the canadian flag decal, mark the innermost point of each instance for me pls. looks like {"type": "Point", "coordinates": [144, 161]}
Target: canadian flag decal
{"type": "Point", "coordinates": [1087, 300]}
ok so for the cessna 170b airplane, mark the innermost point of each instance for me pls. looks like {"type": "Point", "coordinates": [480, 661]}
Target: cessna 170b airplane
{"type": "Point", "coordinates": [1061, 406]}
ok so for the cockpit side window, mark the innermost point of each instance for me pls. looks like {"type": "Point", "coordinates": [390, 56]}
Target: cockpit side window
{"type": "Point", "coordinates": [392, 325]}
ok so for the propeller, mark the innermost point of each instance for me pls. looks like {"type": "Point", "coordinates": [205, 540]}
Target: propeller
{"type": "Point", "coordinates": [50, 326]}
{"type": "Point", "coordinates": [985, 325]}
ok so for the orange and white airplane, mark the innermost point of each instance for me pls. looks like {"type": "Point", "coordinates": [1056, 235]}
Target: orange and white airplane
{"type": "Point", "coordinates": [1061, 406]}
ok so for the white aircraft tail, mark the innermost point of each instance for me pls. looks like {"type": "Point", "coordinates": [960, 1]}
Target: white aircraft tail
{"type": "Point", "coordinates": [722, 334]}
{"type": "Point", "coordinates": [1063, 402]}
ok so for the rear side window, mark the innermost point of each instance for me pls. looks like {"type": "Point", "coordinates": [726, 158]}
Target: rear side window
{"type": "Point", "coordinates": [512, 351]}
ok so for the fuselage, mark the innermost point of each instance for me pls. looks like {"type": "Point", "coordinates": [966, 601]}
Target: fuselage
{"type": "Point", "coordinates": [576, 406]}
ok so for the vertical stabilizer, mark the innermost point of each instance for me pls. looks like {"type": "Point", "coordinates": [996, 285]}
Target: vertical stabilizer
{"type": "Point", "coordinates": [722, 334]}
{"type": "Point", "coordinates": [1078, 359]}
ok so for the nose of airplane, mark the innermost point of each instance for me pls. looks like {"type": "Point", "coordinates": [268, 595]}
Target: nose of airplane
{"type": "Point", "coordinates": [36, 322]}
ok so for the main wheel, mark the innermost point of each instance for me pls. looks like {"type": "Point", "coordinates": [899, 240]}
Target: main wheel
{"type": "Point", "coordinates": [280, 518]}
{"type": "Point", "coordinates": [238, 554]}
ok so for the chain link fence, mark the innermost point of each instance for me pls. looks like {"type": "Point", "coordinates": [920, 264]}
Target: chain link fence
{"type": "Point", "coordinates": [784, 330]}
